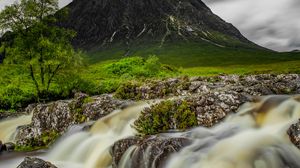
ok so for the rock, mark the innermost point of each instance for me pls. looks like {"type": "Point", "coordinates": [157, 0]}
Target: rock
{"type": "Point", "coordinates": [120, 147]}
{"type": "Point", "coordinates": [211, 108]}
{"type": "Point", "coordinates": [294, 134]}
{"type": "Point", "coordinates": [101, 106]}
{"type": "Point", "coordinates": [35, 163]}
{"type": "Point", "coordinates": [150, 152]}
{"type": "Point", "coordinates": [9, 147]}
{"type": "Point", "coordinates": [212, 98]}
{"type": "Point", "coordinates": [254, 85]}
{"type": "Point", "coordinates": [54, 119]}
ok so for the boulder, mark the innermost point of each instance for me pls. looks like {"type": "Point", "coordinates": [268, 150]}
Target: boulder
{"type": "Point", "coordinates": [35, 163]}
{"type": "Point", "coordinates": [294, 134]}
{"type": "Point", "coordinates": [149, 152]}
{"type": "Point", "coordinates": [120, 147]}
{"type": "Point", "coordinates": [9, 147]}
{"type": "Point", "coordinates": [211, 108]}
{"type": "Point", "coordinates": [54, 119]}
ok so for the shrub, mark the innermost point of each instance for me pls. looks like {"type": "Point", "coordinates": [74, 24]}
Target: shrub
{"type": "Point", "coordinates": [127, 91]}
{"type": "Point", "coordinates": [165, 116]}
{"type": "Point", "coordinates": [12, 97]}
{"type": "Point", "coordinates": [138, 67]}
{"type": "Point", "coordinates": [108, 86]}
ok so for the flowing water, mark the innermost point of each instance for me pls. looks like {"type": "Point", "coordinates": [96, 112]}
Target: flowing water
{"type": "Point", "coordinates": [9, 126]}
{"type": "Point", "coordinates": [255, 137]}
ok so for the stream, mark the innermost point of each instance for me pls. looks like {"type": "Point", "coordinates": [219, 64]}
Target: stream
{"type": "Point", "coordinates": [254, 137]}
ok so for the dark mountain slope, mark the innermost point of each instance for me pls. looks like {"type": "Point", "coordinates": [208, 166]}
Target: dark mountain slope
{"type": "Point", "coordinates": [100, 23]}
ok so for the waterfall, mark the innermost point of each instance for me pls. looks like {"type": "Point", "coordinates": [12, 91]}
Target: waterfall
{"type": "Point", "coordinates": [254, 137]}
{"type": "Point", "coordinates": [257, 139]}
{"type": "Point", "coordinates": [8, 127]}
{"type": "Point", "coordinates": [91, 149]}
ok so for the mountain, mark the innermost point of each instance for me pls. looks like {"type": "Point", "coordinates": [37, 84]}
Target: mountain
{"type": "Point", "coordinates": [129, 23]}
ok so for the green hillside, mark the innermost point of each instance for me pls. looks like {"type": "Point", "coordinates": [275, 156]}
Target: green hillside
{"type": "Point", "coordinates": [200, 54]}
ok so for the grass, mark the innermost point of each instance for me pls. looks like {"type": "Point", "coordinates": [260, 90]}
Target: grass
{"type": "Point", "coordinates": [275, 68]}
{"type": "Point", "coordinates": [106, 72]}
{"type": "Point", "coordinates": [201, 54]}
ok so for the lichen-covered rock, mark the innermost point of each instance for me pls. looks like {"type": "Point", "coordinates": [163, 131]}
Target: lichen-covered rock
{"type": "Point", "coordinates": [53, 119]}
{"type": "Point", "coordinates": [35, 163]}
{"type": "Point", "coordinates": [294, 134]}
{"type": "Point", "coordinates": [152, 151]}
{"type": "Point", "coordinates": [211, 108]}
{"type": "Point", "coordinates": [187, 112]}
{"type": "Point", "coordinates": [255, 85]}
{"type": "Point", "coordinates": [101, 106]}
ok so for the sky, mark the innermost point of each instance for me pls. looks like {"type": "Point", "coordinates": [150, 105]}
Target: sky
{"type": "Point", "coordinates": [274, 24]}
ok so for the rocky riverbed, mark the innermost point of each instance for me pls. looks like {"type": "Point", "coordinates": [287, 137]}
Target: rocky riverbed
{"type": "Point", "coordinates": [211, 99]}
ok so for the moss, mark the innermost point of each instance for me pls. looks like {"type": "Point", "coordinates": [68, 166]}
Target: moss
{"type": "Point", "coordinates": [128, 91]}
{"type": "Point", "coordinates": [44, 141]}
{"type": "Point", "coordinates": [88, 100]}
{"type": "Point", "coordinates": [80, 118]}
{"type": "Point", "coordinates": [49, 137]}
{"type": "Point", "coordinates": [28, 148]}
{"type": "Point", "coordinates": [165, 116]}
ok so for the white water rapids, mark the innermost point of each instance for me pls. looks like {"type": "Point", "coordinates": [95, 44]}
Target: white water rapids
{"type": "Point", "coordinates": [255, 137]}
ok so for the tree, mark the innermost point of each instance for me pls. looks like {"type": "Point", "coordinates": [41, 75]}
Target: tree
{"type": "Point", "coordinates": [38, 44]}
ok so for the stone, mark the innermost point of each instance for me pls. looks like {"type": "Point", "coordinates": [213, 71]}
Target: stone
{"type": "Point", "coordinates": [55, 118]}
{"type": "Point", "coordinates": [120, 147]}
{"type": "Point", "coordinates": [30, 162]}
{"type": "Point", "coordinates": [9, 147]}
{"type": "Point", "coordinates": [294, 134]}
{"type": "Point", "coordinates": [152, 151]}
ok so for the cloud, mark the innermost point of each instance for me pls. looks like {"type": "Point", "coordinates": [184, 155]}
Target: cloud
{"type": "Point", "coordinates": [271, 23]}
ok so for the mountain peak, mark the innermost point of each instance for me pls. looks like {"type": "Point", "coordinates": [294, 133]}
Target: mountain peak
{"type": "Point", "coordinates": [104, 22]}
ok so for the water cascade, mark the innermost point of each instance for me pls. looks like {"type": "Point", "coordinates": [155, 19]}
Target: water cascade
{"type": "Point", "coordinates": [254, 137]}
{"type": "Point", "coordinates": [9, 126]}
{"type": "Point", "coordinates": [91, 149]}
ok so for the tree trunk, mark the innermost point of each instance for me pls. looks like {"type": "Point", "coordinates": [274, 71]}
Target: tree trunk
{"type": "Point", "coordinates": [34, 80]}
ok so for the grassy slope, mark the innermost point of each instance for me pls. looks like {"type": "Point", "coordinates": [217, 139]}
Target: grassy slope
{"type": "Point", "coordinates": [206, 59]}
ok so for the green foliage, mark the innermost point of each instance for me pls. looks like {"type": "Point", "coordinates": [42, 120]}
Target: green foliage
{"type": "Point", "coordinates": [138, 67]}
{"type": "Point", "coordinates": [165, 116]}
{"type": "Point", "coordinates": [108, 86]}
{"type": "Point", "coordinates": [184, 117]}
{"type": "Point", "coordinates": [13, 97]}
{"type": "Point", "coordinates": [127, 90]}
{"type": "Point", "coordinates": [43, 49]}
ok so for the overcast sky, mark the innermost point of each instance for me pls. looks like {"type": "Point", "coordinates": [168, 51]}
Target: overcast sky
{"type": "Point", "coordinates": [273, 24]}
